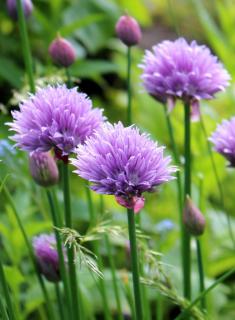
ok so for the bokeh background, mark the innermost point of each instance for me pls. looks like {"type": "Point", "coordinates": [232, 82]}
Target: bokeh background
{"type": "Point", "coordinates": [100, 71]}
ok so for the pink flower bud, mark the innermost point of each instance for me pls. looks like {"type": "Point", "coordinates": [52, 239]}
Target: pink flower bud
{"type": "Point", "coordinates": [193, 218]}
{"type": "Point", "coordinates": [135, 203]}
{"type": "Point", "coordinates": [12, 8]}
{"type": "Point", "coordinates": [62, 52]}
{"type": "Point", "coordinates": [43, 169]}
{"type": "Point", "coordinates": [128, 30]}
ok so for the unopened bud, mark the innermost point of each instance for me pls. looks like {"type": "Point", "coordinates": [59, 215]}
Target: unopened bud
{"type": "Point", "coordinates": [62, 52]}
{"type": "Point", "coordinates": [43, 169]}
{"type": "Point", "coordinates": [193, 219]}
{"type": "Point", "coordinates": [47, 257]}
{"type": "Point", "coordinates": [12, 8]}
{"type": "Point", "coordinates": [128, 30]}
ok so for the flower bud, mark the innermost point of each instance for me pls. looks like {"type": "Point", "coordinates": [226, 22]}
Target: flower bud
{"type": "Point", "coordinates": [12, 8]}
{"type": "Point", "coordinates": [47, 257]}
{"type": "Point", "coordinates": [135, 203]}
{"type": "Point", "coordinates": [43, 169]}
{"type": "Point", "coordinates": [128, 30]}
{"type": "Point", "coordinates": [62, 52]}
{"type": "Point", "coordinates": [193, 219]}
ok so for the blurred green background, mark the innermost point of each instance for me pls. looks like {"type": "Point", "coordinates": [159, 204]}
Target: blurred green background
{"type": "Point", "coordinates": [100, 71]}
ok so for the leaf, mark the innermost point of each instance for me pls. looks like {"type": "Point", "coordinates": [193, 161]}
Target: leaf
{"type": "Point", "coordinates": [80, 23]}
{"type": "Point", "coordinates": [10, 72]}
{"type": "Point", "coordinates": [90, 68]}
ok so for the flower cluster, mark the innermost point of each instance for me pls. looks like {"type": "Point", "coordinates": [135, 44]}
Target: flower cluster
{"type": "Point", "coordinates": [47, 257]}
{"type": "Point", "coordinates": [180, 70]}
{"type": "Point", "coordinates": [223, 139]}
{"type": "Point", "coordinates": [123, 162]}
{"type": "Point", "coordinates": [55, 117]}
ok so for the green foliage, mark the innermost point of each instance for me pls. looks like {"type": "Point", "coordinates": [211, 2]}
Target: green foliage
{"type": "Point", "coordinates": [100, 71]}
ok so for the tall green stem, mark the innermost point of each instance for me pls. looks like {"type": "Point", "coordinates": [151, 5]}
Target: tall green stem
{"type": "Point", "coordinates": [57, 224]}
{"type": "Point", "coordinates": [93, 219]}
{"type": "Point", "coordinates": [129, 111]}
{"type": "Point", "coordinates": [59, 301]}
{"type": "Point", "coordinates": [134, 264]}
{"type": "Point", "coordinates": [178, 177]}
{"type": "Point", "coordinates": [199, 252]}
{"type": "Point", "coordinates": [114, 277]}
{"type": "Point", "coordinates": [187, 191]}
{"type": "Point", "coordinates": [69, 80]}
{"type": "Point", "coordinates": [3, 312]}
{"type": "Point", "coordinates": [31, 253]}
{"type": "Point", "coordinates": [185, 313]}
{"type": "Point", "coordinates": [25, 45]}
{"type": "Point", "coordinates": [6, 292]}
{"type": "Point", "coordinates": [201, 272]}
{"type": "Point", "coordinates": [112, 267]}
{"type": "Point", "coordinates": [71, 263]}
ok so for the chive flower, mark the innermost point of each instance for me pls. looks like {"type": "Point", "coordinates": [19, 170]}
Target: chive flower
{"type": "Point", "coordinates": [223, 139]}
{"type": "Point", "coordinates": [55, 117]}
{"type": "Point", "coordinates": [12, 8]}
{"type": "Point", "coordinates": [181, 70]}
{"type": "Point", "coordinates": [123, 162]}
{"type": "Point", "coordinates": [47, 257]}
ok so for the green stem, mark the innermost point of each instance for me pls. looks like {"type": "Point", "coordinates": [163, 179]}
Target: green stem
{"type": "Point", "coordinates": [6, 292]}
{"type": "Point", "coordinates": [199, 251]}
{"type": "Point", "coordinates": [60, 250]}
{"type": "Point", "coordinates": [69, 80]}
{"type": "Point", "coordinates": [219, 185]}
{"type": "Point", "coordinates": [71, 263]}
{"type": "Point", "coordinates": [129, 111]}
{"type": "Point", "coordinates": [25, 45]}
{"type": "Point", "coordinates": [178, 177]}
{"type": "Point", "coordinates": [185, 313]}
{"type": "Point", "coordinates": [187, 191]}
{"type": "Point", "coordinates": [59, 301]}
{"type": "Point", "coordinates": [134, 264]}
{"type": "Point", "coordinates": [31, 253]}
{"type": "Point", "coordinates": [102, 287]}
{"type": "Point", "coordinates": [201, 272]}
{"type": "Point", "coordinates": [114, 277]}
{"type": "Point", "coordinates": [159, 311]}
{"type": "Point", "coordinates": [3, 312]}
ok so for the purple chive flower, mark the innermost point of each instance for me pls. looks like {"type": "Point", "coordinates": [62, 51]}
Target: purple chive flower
{"type": "Point", "coordinates": [123, 162]}
{"type": "Point", "coordinates": [43, 169]}
{"type": "Point", "coordinates": [55, 117]}
{"type": "Point", "coordinates": [223, 139]}
{"type": "Point", "coordinates": [180, 70]}
{"type": "Point", "coordinates": [12, 8]}
{"type": "Point", "coordinates": [128, 30]}
{"type": "Point", "coordinates": [47, 256]}
{"type": "Point", "coordinates": [62, 52]}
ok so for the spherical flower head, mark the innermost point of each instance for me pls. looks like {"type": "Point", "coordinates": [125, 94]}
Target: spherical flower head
{"type": "Point", "coordinates": [180, 70]}
{"type": "Point", "coordinates": [123, 162]}
{"type": "Point", "coordinates": [193, 219]}
{"type": "Point", "coordinates": [62, 52]}
{"type": "Point", "coordinates": [43, 169]}
{"type": "Point", "coordinates": [128, 30]}
{"type": "Point", "coordinates": [55, 117]}
{"type": "Point", "coordinates": [223, 139]}
{"type": "Point", "coordinates": [47, 256]}
{"type": "Point", "coordinates": [12, 8]}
